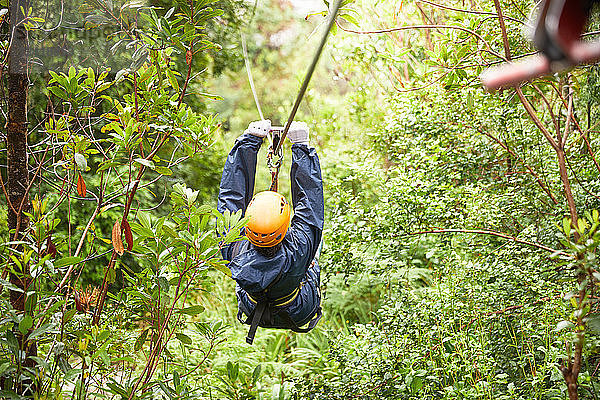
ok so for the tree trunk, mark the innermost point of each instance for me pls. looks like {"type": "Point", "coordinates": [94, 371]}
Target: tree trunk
{"type": "Point", "coordinates": [17, 171]}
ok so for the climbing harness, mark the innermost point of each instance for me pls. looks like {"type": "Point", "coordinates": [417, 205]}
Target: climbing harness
{"type": "Point", "coordinates": [265, 311]}
{"type": "Point", "coordinates": [278, 134]}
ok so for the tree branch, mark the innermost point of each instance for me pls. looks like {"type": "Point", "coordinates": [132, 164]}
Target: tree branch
{"type": "Point", "coordinates": [491, 233]}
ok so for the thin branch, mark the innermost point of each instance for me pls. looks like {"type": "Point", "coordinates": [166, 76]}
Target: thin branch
{"type": "Point", "coordinates": [570, 115]}
{"type": "Point", "coordinates": [492, 233]}
{"type": "Point", "coordinates": [503, 29]}
{"type": "Point", "coordinates": [471, 11]}
{"type": "Point", "coordinates": [409, 27]}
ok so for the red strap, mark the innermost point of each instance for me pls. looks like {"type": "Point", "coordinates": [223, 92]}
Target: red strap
{"type": "Point", "coordinates": [274, 179]}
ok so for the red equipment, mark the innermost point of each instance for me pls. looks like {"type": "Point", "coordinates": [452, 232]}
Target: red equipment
{"type": "Point", "coordinates": [557, 36]}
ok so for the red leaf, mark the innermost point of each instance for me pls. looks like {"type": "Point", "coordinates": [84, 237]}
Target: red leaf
{"type": "Point", "coordinates": [51, 247]}
{"type": "Point", "coordinates": [128, 235]}
{"type": "Point", "coordinates": [117, 242]}
{"type": "Point", "coordinates": [78, 304]}
{"type": "Point", "coordinates": [81, 189]}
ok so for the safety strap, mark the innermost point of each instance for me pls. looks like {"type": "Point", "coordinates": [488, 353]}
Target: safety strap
{"type": "Point", "coordinates": [263, 307]}
{"type": "Point", "coordinates": [259, 310]}
{"type": "Point", "coordinates": [274, 158]}
{"type": "Point", "coordinates": [311, 324]}
{"type": "Point", "coordinates": [249, 72]}
{"type": "Point", "coordinates": [280, 302]}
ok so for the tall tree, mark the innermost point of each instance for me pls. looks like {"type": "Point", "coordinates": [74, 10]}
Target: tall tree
{"type": "Point", "coordinates": [17, 171]}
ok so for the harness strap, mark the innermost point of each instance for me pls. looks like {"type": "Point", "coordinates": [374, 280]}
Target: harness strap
{"type": "Point", "coordinates": [311, 324]}
{"type": "Point", "coordinates": [274, 165]}
{"type": "Point", "coordinates": [280, 302]}
{"type": "Point", "coordinates": [258, 312]}
{"type": "Point", "coordinates": [256, 316]}
{"type": "Point", "coordinates": [274, 179]}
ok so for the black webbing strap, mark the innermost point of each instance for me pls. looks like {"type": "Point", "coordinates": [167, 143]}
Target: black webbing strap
{"type": "Point", "coordinates": [255, 318]}
{"type": "Point", "coordinates": [259, 310]}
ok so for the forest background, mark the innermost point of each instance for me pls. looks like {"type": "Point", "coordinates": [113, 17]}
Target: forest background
{"type": "Point", "coordinates": [459, 256]}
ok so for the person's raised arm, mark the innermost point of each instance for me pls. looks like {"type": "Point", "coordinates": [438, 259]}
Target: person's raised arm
{"type": "Point", "coordinates": [307, 195]}
{"type": "Point", "coordinates": [237, 181]}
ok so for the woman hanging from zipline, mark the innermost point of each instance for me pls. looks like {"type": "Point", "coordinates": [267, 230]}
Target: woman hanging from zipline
{"type": "Point", "coordinates": [276, 270]}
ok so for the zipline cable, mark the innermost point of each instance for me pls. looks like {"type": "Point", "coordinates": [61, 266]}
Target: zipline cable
{"type": "Point", "coordinates": [249, 71]}
{"type": "Point", "coordinates": [311, 69]}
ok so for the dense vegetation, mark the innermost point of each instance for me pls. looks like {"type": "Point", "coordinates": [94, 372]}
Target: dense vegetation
{"type": "Point", "coordinates": [459, 255]}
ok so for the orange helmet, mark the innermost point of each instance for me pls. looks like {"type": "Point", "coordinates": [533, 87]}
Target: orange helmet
{"type": "Point", "coordinates": [269, 214]}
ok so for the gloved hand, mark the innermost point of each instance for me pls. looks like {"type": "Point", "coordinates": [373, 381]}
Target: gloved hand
{"type": "Point", "coordinates": [298, 133]}
{"type": "Point", "coordinates": [259, 128]}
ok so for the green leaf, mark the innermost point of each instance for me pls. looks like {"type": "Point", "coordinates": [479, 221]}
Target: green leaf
{"type": "Point", "coordinates": [256, 374]}
{"type": "Point", "coordinates": [117, 389]}
{"type": "Point", "coordinates": [567, 226]}
{"type": "Point", "coordinates": [104, 165]}
{"type": "Point", "coordinates": [163, 282]}
{"type": "Point", "coordinates": [172, 80]}
{"type": "Point", "coordinates": [232, 371]}
{"type": "Point", "coordinates": [31, 302]}
{"type": "Point", "coordinates": [41, 330]}
{"type": "Point", "coordinates": [223, 268]}
{"type": "Point", "coordinates": [67, 261]}
{"type": "Point", "coordinates": [144, 162]}
{"type": "Point", "coordinates": [350, 18]}
{"type": "Point", "coordinates": [183, 338]}
{"type": "Point", "coordinates": [581, 224]}
{"type": "Point", "coordinates": [416, 384]}
{"type": "Point", "coordinates": [103, 335]}
{"type": "Point", "coordinates": [25, 324]}
{"type": "Point", "coordinates": [176, 380]}
{"type": "Point", "coordinates": [141, 340]}
{"type": "Point", "coordinates": [111, 275]}
{"type": "Point", "coordinates": [9, 394]}
{"type": "Point", "coordinates": [163, 170]}
{"type": "Point", "coordinates": [69, 314]}
{"type": "Point", "coordinates": [210, 96]}
{"type": "Point", "coordinates": [58, 92]}
{"type": "Point", "coordinates": [121, 74]}
{"type": "Point", "coordinates": [139, 58]}
{"type": "Point", "coordinates": [192, 310]}
{"type": "Point", "coordinates": [4, 366]}
{"type": "Point", "coordinates": [10, 286]}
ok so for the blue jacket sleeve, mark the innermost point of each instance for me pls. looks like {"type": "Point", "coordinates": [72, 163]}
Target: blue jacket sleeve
{"type": "Point", "coordinates": [306, 228]}
{"type": "Point", "coordinates": [237, 181]}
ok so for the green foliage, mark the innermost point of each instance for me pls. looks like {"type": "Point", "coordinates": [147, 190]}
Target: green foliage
{"type": "Point", "coordinates": [113, 140]}
{"type": "Point", "coordinates": [450, 269]}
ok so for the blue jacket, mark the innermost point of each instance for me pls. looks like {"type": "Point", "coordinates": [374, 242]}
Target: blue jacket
{"type": "Point", "coordinates": [294, 265]}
